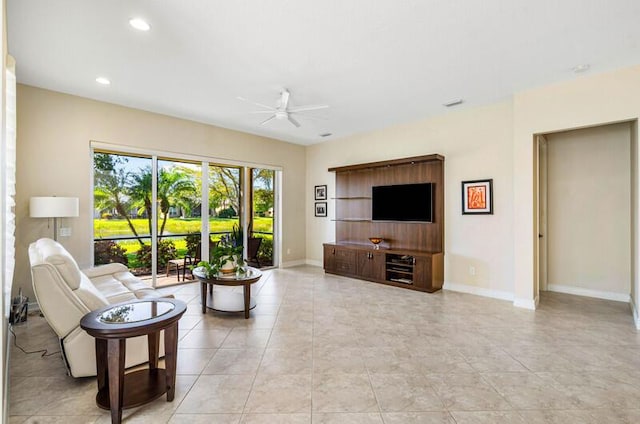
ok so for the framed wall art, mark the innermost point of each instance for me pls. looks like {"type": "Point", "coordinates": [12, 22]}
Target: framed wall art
{"type": "Point", "coordinates": [321, 192]}
{"type": "Point", "coordinates": [321, 208]}
{"type": "Point", "coordinates": [477, 197]}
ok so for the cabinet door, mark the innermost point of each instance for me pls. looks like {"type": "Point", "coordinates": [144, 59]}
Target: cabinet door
{"type": "Point", "coordinates": [422, 272]}
{"type": "Point", "coordinates": [371, 265]}
{"type": "Point", "coordinates": [345, 261]}
{"type": "Point", "coordinates": [329, 258]}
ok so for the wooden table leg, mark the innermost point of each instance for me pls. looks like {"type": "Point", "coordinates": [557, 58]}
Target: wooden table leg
{"type": "Point", "coordinates": [247, 300]}
{"type": "Point", "coordinates": [203, 297]}
{"type": "Point", "coordinates": [116, 349]}
{"type": "Point", "coordinates": [170, 358]}
{"type": "Point", "coordinates": [101, 363]}
{"type": "Point", "coordinates": [153, 341]}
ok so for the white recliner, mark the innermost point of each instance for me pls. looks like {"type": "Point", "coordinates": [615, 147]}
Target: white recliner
{"type": "Point", "coordinates": [65, 294]}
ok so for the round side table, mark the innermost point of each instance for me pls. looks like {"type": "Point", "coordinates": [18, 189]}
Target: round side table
{"type": "Point", "coordinates": [228, 302]}
{"type": "Point", "coordinates": [111, 326]}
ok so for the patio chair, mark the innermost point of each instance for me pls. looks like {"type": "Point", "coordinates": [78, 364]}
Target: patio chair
{"type": "Point", "coordinates": [190, 259]}
{"type": "Point", "coordinates": [253, 246]}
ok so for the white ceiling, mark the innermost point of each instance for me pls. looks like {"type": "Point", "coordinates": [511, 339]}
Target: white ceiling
{"type": "Point", "coordinates": [375, 62]}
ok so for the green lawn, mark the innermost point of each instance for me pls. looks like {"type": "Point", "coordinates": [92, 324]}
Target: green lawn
{"type": "Point", "coordinates": [107, 228]}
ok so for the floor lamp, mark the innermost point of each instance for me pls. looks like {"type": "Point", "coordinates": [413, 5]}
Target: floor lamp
{"type": "Point", "coordinates": [53, 207]}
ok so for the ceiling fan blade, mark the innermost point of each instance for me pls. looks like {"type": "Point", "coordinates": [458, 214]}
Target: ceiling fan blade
{"type": "Point", "coordinates": [322, 118]}
{"type": "Point", "coordinates": [263, 111]}
{"type": "Point", "coordinates": [257, 104]}
{"type": "Point", "coordinates": [309, 107]}
{"type": "Point", "coordinates": [284, 99]}
{"type": "Point", "coordinates": [293, 121]}
{"type": "Point", "coordinates": [267, 120]}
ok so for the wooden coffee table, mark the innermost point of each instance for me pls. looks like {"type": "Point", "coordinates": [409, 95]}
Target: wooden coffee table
{"type": "Point", "coordinates": [111, 326]}
{"type": "Point", "coordinates": [228, 302]}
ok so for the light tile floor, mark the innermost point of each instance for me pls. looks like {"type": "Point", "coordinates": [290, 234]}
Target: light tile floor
{"type": "Point", "coordinates": [325, 349]}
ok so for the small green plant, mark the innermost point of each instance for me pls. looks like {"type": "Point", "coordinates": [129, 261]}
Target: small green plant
{"type": "Point", "coordinates": [221, 255]}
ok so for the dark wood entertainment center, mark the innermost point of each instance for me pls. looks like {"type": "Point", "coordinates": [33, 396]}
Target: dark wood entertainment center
{"type": "Point", "coordinates": [411, 254]}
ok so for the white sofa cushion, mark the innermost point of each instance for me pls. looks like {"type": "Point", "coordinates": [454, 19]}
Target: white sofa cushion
{"type": "Point", "coordinates": [113, 289]}
{"type": "Point", "coordinates": [90, 295]}
{"type": "Point", "coordinates": [53, 253]}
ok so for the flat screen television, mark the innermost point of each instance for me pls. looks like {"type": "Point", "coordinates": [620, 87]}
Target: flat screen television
{"type": "Point", "coordinates": [403, 202]}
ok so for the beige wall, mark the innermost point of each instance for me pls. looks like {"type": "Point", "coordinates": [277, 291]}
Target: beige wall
{"type": "Point", "coordinates": [494, 141]}
{"type": "Point", "coordinates": [582, 102]}
{"type": "Point", "coordinates": [54, 134]}
{"type": "Point", "coordinates": [476, 143]}
{"type": "Point", "coordinates": [589, 201]}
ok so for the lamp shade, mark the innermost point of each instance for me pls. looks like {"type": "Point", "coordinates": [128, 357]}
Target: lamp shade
{"type": "Point", "coordinates": [53, 207]}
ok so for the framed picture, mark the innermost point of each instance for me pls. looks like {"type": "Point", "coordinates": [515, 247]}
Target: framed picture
{"type": "Point", "coordinates": [321, 208]}
{"type": "Point", "coordinates": [477, 197]}
{"type": "Point", "coordinates": [321, 192]}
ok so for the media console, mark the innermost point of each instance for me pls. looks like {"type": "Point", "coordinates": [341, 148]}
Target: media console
{"type": "Point", "coordinates": [411, 254]}
{"type": "Point", "coordinates": [414, 270]}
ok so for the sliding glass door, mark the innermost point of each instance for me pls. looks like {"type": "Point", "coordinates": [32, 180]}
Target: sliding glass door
{"type": "Point", "coordinates": [122, 220]}
{"type": "Point", "coordinates": [261, 232]}
{"type": "Point", "coordinates": [150, 213]}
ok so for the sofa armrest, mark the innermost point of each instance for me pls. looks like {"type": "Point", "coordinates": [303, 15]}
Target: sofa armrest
{"type": "Point", "coordinates": [107, 269]}
{"type": "Point", "coordinates": [60, 306]}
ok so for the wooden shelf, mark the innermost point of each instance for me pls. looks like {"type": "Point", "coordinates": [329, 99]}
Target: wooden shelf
{"type": "Point", "coordinates": [421, 242]}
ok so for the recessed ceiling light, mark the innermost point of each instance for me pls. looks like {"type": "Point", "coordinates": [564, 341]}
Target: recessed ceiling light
{"type": "Point", "coordinates": [581, 68]}
{"type": "Point", "coordinates": [139, 24]}
{"type": "Point", "coordinates": [103, 81]}
{"type": "Point", "coordinates": [452, 103]}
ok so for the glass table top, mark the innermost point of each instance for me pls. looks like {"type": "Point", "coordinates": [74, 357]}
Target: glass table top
{"type": "Point", "coordinates": [135, 312]}
{"type": "Point", "coordinates": [247, 273]}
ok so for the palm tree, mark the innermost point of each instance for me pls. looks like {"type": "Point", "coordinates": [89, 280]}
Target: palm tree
{"type": "Point", "coordinates": [175, 188]}
{"type": "Point", "coordinates": [110, 192]}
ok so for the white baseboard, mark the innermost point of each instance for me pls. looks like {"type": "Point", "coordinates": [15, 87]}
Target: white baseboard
{"type": "Point", "coordinates": [312, 262]}
{"type": "Point", "coordinates": [579, 291]}
{"type": "Point", "coordinates": [526, 303]}
{"type": "Point", "coordinates": [635, 313]}
{"type": "Point", "coordinates": [291, 264]}
{"type": "Point", "coordinates": [480, 291]}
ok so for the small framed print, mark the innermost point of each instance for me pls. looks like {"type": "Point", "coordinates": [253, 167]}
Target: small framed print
{"type": "Point", "coordinates": [477, 197]}
{"type": "Point", "coordinates": [321, 208]}
{"type": "Point", "coordinates": [321, 192]}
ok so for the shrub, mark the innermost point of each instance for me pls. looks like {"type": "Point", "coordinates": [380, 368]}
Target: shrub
{"type": "Point", "coordinates": [107, 215]}
{"type": "Point", "coordinates": [192, 240]}
{"type": "Point", "coordinates": [227, 213]}
{"type": "Point", "coordinates": [265, 253]}
{"type": "Point", "coordinates": [166, 251]}
{"type": "Point", "coordinates": [107, 251]}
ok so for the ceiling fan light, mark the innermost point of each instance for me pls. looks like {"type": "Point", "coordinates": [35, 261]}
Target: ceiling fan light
{"type": "Point", "coordinates": [139, 24]}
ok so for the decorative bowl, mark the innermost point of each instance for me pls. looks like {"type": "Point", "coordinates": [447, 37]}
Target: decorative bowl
{"type": "Point", "coordinates": [376, 241]}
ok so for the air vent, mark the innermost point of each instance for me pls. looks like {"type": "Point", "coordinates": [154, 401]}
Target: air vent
{"type": "Point", "coordinates": [326, 135]}
{"type": "Point", "coordinates": [455, 102]}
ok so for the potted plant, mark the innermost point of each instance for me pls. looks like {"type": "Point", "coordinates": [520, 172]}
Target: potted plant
{"type": "Point", "coordinates": [225, 259]}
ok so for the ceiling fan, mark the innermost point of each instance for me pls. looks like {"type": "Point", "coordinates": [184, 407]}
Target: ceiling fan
{"type": "Point", "coordinates": [283, 111]}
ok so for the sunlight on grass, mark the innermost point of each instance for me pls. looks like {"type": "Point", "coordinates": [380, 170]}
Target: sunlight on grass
{"type": "Point", "coordinates": [107, 228]}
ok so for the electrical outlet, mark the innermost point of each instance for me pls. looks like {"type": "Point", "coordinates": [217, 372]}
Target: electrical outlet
{"type": "Point", "coordinates": [64, 232]}
{"type": "Point", "coordinates": [472, 270]}
{"type": "Point", "coordinates": [288, 251]}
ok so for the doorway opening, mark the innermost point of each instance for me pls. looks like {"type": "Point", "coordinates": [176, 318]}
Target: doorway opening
{"type": "Point", "coordinates": [584, 216]}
